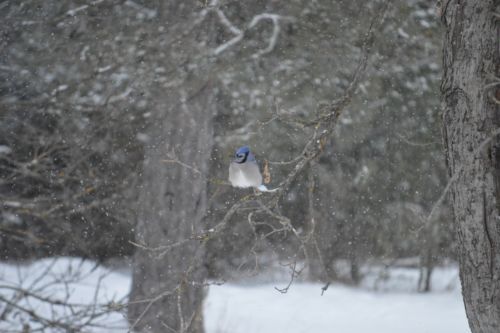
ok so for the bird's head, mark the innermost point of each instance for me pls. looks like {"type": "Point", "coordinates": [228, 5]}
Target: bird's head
{"type": "Point", "coordinates": [243, 154]}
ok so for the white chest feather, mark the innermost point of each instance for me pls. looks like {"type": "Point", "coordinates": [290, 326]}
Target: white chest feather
{"type": "Point", "coordinates": [245, 175]}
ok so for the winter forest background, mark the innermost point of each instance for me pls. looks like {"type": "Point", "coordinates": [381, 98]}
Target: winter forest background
{"type": "Point", "coordinates": [119, 118]}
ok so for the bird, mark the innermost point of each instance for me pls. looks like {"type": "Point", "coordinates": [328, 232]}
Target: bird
{"type": "Point", "coordinates": [244, 171]}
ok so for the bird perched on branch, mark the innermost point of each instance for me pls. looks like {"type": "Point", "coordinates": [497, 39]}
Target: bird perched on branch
{"type": "Point", "coordinates": [244, 170]}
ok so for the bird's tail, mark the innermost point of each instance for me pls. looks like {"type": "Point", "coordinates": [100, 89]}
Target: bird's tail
{"type": "Point", "coordinates": [263, 188]}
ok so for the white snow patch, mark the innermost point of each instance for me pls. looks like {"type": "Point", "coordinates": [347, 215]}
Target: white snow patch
{"type": "Point", "coordinates": [240, 308]}
{"type": "Point", "coordinates": [60, 88]}
{"type": "Point", "coordinates": [11, 218]}
{"type": "Point", "coordinates": [5, 149]}
{"type": "Point", "coordinates": [83, 53]}
{"type": "Point", "coordinates": [119, 78]}
{"type": "Point", "coordinates": [14, 204]}
{"type": "Point", "coordinates": [403, 33]}
{"type": "Point", "coordinates": [103, 69]}
{"type": "Point", "coordinates": [425, 23]}
{"type": "Point", "coordinates": [142, 137]}
{"type": "Point", "coordinates": [119, 97]}
{"type": "Point", "coordinates": [84, 282]}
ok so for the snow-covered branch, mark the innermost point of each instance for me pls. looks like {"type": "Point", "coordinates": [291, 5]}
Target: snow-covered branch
{"type": "Point", "coordinates": [74, 11]}
{"type": "Point", "coordinates": [276, 30]}
{"type": "Point", "coordinates": [239, 33]}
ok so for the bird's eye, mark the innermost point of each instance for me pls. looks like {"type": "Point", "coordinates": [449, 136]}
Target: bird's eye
{"type": "Point", "coordinates": [239, 155]}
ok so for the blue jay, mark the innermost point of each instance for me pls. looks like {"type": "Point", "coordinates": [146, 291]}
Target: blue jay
{"type": "Point", "coordinates": [244, 170]}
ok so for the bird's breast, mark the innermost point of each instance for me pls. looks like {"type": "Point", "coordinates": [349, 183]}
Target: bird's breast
{"type": "Point", "coordinates": [244, 175]}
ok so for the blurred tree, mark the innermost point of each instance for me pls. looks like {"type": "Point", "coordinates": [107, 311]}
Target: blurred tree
{"type": "Point", "coordinates": [72, 110]}
{"type": "Point", "coordinates": [168, 286]}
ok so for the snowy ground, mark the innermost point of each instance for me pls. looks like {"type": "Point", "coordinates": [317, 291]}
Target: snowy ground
{"type": "Point", "coordinates": [388, 305]}
{"type": "Point", "coordinates": [340, 309]}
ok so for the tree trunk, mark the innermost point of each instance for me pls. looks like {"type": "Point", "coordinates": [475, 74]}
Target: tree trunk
{"type": "Point", "coordinates": [470, 123]}
{"type": "Point", "coordinates": [172, 205]}
{"type": "Point", "coordinates": [168, 271]}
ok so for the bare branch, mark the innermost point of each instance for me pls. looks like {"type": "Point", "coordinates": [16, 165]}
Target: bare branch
{"type": "Point", "coordinates": [430, 217]}
{"type": "Point", "coordinates": [293, 275]}
{"type": "Point", "coordinates": [323, 128]}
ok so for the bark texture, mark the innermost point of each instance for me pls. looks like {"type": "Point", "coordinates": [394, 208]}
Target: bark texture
{"type": "Point", "coordinates": [172, 205]}
{"type": "Point", "coordinates": [169, 272]}
{"type": "Point", "coordinates": [470, 122]}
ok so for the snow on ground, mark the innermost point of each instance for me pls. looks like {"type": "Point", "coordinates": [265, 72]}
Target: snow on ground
{"type": "Point", "coordinates": [388, 305]}
{"type": "Point", "coordinates": [69, 280]}
{"type": "Point", "coordinates": [256, 309]}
